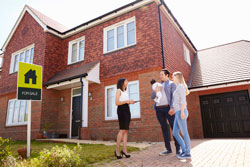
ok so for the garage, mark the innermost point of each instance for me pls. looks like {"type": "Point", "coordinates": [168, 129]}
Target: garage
{"type": "Point", "coordinates": [226, 115]}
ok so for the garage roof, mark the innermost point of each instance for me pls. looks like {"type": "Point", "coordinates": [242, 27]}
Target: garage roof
{"type": "Point", "coordinates": [222, 64]}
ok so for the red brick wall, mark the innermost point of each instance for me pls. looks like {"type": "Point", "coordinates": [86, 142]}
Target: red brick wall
{"type": "Point", "coordinates": [173, 49]}
{"type": "Point", "coordinates": [145, 128]}
{"type": "Point", "coordinates": [19, 132]}
{"type": "Point", "coordinates": [145, 54]}
{"type": "Point", "coordinates": [195, 120]}
{"type": "Point", "coordinates": [27, 33]}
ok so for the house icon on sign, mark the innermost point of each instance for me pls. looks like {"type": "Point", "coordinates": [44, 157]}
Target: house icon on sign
{"type": "Point", "coordinates": [31, 74]}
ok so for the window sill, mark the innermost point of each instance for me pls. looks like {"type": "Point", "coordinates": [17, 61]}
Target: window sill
{"type": "Point", "coordinates": [75, 62]}
{"type": "Point", "coordinates": [116, 120]}
{"type": "Point", "coordinates": [15, 125]}
{"type": "Point", "coordinates": [117, 50]}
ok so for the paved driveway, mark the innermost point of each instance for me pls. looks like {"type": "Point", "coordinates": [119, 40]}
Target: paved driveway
{"type": "Point", "coordinates": [213, 152]}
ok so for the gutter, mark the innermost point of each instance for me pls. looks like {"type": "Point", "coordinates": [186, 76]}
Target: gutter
{"type": "Point", "coordinates": [81, 107]}
{"type": "Point", "coordinates": [162, 47]}
{"type": "Point", "coordinates": [219, 85]}
{"type": "Point", "coordinates": [192, 70]}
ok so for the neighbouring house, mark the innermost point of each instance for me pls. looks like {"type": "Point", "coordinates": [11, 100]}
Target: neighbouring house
{"type": "Point", "coordinates": [81, 66]}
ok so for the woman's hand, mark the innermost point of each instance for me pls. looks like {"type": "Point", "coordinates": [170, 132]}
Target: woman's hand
{"type": "Point", "coordinates": [131, 102]}
{"type": "Point", "coordinates": [182, 115]}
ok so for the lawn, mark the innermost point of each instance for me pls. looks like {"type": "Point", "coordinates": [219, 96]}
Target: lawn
{"type": "Point", "coordinates": [92, 153]}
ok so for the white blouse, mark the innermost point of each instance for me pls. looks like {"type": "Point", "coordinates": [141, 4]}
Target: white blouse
{"type": "Point", "coordinates": [124, 95]}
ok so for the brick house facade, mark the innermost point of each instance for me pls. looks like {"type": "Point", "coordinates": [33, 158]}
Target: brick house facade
{"type": "Point", "coordinates": [53, 47]}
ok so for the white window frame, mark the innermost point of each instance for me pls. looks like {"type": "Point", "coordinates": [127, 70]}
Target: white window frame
{"type": "Point", "coordinates": [1, 61]}
{"type": "Point", "coordinates": [186, 54]}
{"type": "Point", "coordinates": [106, 102]}
{"type": "Point", "coordinates": [70, 50]}
{"type": "Point", "coordinates": [13, 55]}
{"type": "Point", "coordinates": [115, 26]}
{"type": "Point", "coordinates": [7, 115]}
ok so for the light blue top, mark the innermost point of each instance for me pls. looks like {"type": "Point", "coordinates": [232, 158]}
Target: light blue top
{"type": "Point", "coordinates": [179, 97]}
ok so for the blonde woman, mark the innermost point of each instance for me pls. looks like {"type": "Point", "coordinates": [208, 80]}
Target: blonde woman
{"type": "Point", "coordinates": [181, 114]}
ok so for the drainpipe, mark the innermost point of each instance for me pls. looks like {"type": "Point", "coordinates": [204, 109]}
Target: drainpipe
{"type": "Point", "coordinates": [81, 107]}
{"type": "Point", "coordinates": [162, 49]}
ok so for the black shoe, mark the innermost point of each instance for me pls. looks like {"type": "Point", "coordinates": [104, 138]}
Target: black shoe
{"type": "Point", "coordinates": [178, 152]}
{"type": "Point", "coordinates": [165, 152]}
{"type": "Point", "coordinates": [123, 153]}
{"type": "Point", "coordinates": [118, 156]}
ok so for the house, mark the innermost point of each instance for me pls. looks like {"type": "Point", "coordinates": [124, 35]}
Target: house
{"type": "Point", "coordinates": [31, 74]}
{"type": "Point", "coordinates": [220, 90]}
{"type": "Point", "coordinates": [81, 66]}
{"type": "Point", "coordinates": [134, 41]}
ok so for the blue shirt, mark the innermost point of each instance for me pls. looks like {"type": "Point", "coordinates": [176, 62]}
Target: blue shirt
{"type": "Point", "coordinates": [169, 89]}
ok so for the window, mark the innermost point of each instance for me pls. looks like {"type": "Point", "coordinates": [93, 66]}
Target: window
{"type": "Point", "coordinates": [119, 35]}
{"type": "Point", "coordinates": [76, 92]}
{"type": "Point", "coordinates": [110, 106]}
{"type": "Point", "coordinates": [76, 50]}
{"type": "Point", "coordinates": [187, 54]}
{"type": "Point", "coordinates": [24, 55]}
{"type": "Point", "coordinates": [17, 112]}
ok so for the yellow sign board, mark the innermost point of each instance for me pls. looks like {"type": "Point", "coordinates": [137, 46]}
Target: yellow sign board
{"type": "Point", "coordinates": [29, 81]}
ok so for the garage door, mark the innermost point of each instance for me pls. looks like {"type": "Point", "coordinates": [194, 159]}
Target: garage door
{"type": "Point", "coordinates": [226, 115]}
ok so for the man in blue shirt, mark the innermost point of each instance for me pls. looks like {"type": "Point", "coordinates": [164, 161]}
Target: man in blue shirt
{"type": "Point", "coordinates": [164, 110]}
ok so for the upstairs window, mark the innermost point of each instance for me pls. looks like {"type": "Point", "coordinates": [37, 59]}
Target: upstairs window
{"type": "Point", "coordinates": [24, 55]}
{"type": "Point", "coordinates": [76, 50]}
{"type": "Point", "coordinates": [186, 54]}
{"type": "Point", "coordinates": [119, 35]}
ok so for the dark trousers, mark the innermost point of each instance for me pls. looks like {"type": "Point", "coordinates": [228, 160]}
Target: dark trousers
{"type": "Point", "coordinates": [163, 116]}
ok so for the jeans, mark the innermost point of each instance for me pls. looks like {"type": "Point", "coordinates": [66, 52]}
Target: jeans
{"type": "Point", "coordinates": [180, 124]}
{"type": "Point", "coordinates": [162, 115]}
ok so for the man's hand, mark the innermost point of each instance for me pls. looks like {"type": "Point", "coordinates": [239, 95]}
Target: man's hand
{"type": "Point", "coordinates": [182, 115]}
{"type": "Point", "coordinates": [171, 112]}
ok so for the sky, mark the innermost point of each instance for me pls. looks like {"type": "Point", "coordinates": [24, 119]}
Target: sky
{"type": "Point", "coordinates": [207, 22]}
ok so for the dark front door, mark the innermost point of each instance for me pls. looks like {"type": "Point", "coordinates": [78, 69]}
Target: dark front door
{"type": "Point", "coordinates": [76, 116]}
{"type": "Point", "coordinates": [226, 115]}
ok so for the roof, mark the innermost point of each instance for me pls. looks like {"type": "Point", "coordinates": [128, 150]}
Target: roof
{"type": "Point", "coordinates": [73, 73]}
{"type": "Point", "coordinates": [48, 21]}
{"type": "Point", "coordinates": [221, 64]}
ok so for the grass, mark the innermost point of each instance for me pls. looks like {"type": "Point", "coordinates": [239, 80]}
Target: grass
{"type": "Point", "coordinates": [92, 153]}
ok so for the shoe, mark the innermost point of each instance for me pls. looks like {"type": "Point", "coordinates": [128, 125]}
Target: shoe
{"type": "Point", "coordinates": [126, 155]}
{"type": "Point", "coordinates": [178, 152]}
{"type": "Point", "coordinates": [165, 153]}
{"type": "Point", "coordinates": [184, 156]}
{"type": "Point", "coordinates": [118, 156]}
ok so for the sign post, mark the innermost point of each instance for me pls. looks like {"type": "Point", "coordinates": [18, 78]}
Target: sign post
{"type": "Point", "coordinates": [29, 87]}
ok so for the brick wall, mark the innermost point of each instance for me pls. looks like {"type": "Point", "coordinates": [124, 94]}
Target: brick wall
{"type": "Point", "coordinates": [27, 33]}
{"type": "Point", "coordinates": [145, 128]}
{"type": "Point", "coordinates": [173, 49]}
{"type": "Point", "coordinates": [145, 54]}
{"type": "Point", "coordinates": [19, 132]}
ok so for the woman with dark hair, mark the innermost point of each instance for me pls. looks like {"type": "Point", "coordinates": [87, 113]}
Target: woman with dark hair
{"type": "Point", "coordinates": [122, 101]}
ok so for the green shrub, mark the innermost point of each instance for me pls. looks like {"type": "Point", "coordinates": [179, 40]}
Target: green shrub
{"type": "Point", "coordinates": [4, 149]}
{"type": "Point", "coordinates": [56, 157]}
